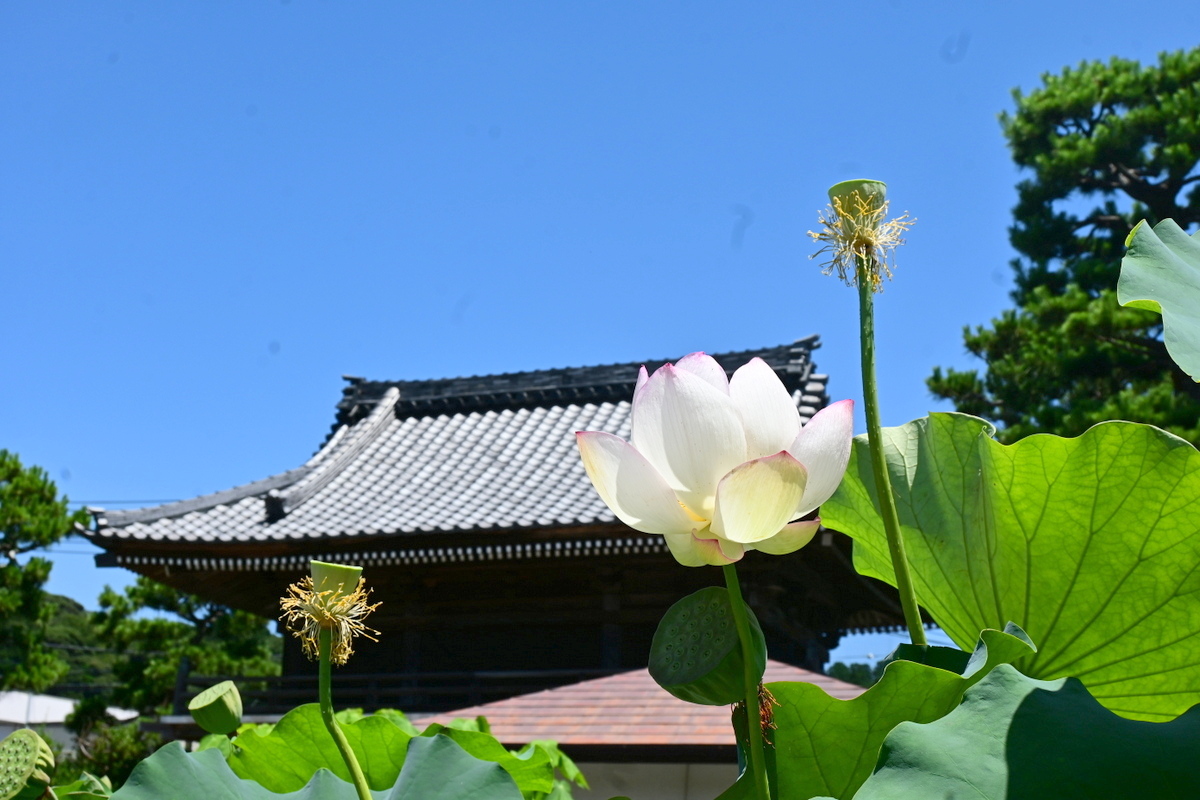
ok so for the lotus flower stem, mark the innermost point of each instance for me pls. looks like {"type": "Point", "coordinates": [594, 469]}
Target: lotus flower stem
{"type": "Point", "coordinates": [758, 760]}
{"type": "Point", "coordinates": [324, 690]}
{"type": "Point", "coordinates": [883, 483]}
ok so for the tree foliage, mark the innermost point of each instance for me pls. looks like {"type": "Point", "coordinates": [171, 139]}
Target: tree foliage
{"type": "Point", "coordinates": [214, 638]}
{"type": "Point", "coordinates": [107, 749]}
{"type": "Point", "coordinates": [71, 634]}
{"type": "Point", "coordinates": [1108, 144]}
{"type": "Point", "coordinates": [32, 517]}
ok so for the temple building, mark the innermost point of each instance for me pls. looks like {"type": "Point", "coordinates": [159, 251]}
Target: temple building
{"type": "Point", "coordinates": [481, 535]}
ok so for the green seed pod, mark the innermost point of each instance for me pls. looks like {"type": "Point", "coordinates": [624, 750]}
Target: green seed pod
{"type": "Point", "coordinates": [218, 709]}
{"type": "Point", "coordinates": [26, 766]}
{"type": "Point", "coordinates": [696, 654]}
{"type": "Point", "coordinates": [865, 187]}
{"type": "Point", "coordinates": [337, 578]}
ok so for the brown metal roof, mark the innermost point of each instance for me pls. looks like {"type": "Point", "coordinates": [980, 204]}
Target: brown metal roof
{"type": "Point", "coordinates": [627, 714]}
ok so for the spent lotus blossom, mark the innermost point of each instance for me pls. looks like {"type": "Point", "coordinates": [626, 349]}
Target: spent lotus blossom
{"type": "Point", "coordinates": [720, 465]}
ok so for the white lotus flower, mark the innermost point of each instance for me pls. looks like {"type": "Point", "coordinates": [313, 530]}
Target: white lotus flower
{"type": "Point", "coordinates": [719, 466]}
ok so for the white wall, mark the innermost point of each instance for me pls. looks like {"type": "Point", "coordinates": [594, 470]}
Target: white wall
{"type": "Point", "coordinates": [655, 781]}
{"type": "Point", "coordinates": [58, 733]}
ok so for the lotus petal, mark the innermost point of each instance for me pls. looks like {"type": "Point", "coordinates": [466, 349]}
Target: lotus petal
{"type": "Point", "coordinates": [706, 367]}
{"type": "Point", "coordinates": [691, 551]}
{"type": "Point", "coordinates": [756, 499]}
{"type": "Point", "coordinates": [769, 416]}
{"type": "Point", "coordinates": [793, 536]}
{"type": "Point", "coordinates": [630, 486]}
{"type": "Point", "coordinates": [691, 433]}
{"type": "Point", "coordinates": [642, 377]}
{"type": "Point", "coordinates": [823, 447]}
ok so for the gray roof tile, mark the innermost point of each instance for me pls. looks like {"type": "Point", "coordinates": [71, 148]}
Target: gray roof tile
{"type": "Point", "coordinates": [485, 453]}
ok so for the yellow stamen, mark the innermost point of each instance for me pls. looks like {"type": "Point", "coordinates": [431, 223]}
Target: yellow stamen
{"type": "Point", "coordinates": [856, 235]}
{"type": "Point", "coordinates": [306, 612]}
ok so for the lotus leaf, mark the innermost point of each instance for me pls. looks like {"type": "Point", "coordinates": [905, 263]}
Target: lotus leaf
{"type": "Point", "coordinates": [1088, 544]}
{"type": "Point", "coordinates": [1017, 737]}
{"type": "Point", "coordinates": [827, 746]}
{"type": "Point", "coordinates": [1161, 272]}
{"type": "Point", "coordinates": [435, 768]}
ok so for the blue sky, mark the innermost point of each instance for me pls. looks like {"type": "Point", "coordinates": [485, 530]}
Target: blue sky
{"type": "Point", "coordinates": [211, 211]}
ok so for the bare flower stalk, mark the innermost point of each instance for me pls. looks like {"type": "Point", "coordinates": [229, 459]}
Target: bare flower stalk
{"type": "Point", "coordinates": [752, 688]}
{"type": "Point", "coordinates": [325, 617]}
{"type": "Point", "coordinates": [861, 244]}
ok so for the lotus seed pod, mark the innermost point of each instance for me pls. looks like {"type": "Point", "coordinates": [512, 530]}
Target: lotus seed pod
{"type": "Point", "coordinates": [218, 709]}
{"type": "Point", "coordinates": [26, 766]}
{"type": "Point", "coordinates": [337, 578]}
{"type": "Point", "coordinates": [696, 654]}
{"type": "Point", "coordinates": [865, 187]}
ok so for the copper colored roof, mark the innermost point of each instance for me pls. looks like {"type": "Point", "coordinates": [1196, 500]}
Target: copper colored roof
{"type": "Point", "coordinates": [627, 717]}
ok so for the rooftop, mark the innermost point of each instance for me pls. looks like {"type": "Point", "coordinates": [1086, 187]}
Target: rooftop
{"type": "Point", "coordinates": [626, 714]}
{"type": "Point", "coordinates": [413, 461]}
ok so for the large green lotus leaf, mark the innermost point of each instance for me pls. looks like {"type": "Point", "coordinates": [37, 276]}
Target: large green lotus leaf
{"type": "Point", "coordinates": [175, 774]}
{"type": "Point", "coordinates": [827, 746]}
{"type": "Point", "coordinates": [1089, 544]}
{"type": "Point", "coordinates": [1161, 272]}
{"type": "Point", "coordinates": [532, 768]}
{"type": "Point", "coordinates": [436, 769]}
{"type": "Point", "coordinates": [299, 744]}
{"type": "Point", "coordinates": [1025, 739]}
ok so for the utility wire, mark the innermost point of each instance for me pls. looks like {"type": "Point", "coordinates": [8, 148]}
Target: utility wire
{"type": "Point", "coordinates": [123, 502]}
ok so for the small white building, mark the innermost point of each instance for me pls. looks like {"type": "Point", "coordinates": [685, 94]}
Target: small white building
{"type": "Point", "coordinates": [45, 713]}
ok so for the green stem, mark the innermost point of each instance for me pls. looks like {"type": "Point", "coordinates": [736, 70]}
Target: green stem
{"type": "Point", "coordinates": [758, 759]}
{"type": "Point", "coordinates": [325, 642]}
{"type": "Point", "coordinates": [883, 483]}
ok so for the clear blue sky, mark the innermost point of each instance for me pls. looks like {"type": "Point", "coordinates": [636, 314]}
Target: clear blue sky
{"type": "Point", "coordinates": [211, 211]}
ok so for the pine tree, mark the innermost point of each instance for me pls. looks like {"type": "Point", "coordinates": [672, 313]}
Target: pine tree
{"type": "Point", "coordinates": [214, 638]}
{"type": "Point", "coordinates": [32, 517]}
{"type": "Point", "coordinates": [1108, 144]}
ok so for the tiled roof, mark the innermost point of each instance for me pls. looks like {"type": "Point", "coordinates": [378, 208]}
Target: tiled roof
{"type": "Point", "coordinates": [605, 383]}
{"type": "Point", "coordinates": [481, 454]}
{"type": "Point", "coordinates": [625, 710]}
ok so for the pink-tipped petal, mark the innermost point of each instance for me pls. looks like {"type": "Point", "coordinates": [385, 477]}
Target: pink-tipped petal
{"type": "Point", "coordinates": [691, 551]}
{"type": "Point", "coordinates": [769, 415]}
{"type": "Point", "coordinates": [630, 486]}
{"type": "Point", "coordinates": [706, 367]}
{"type": "Point", "coordinates": [731, 551]}
{"type": "Point", "coordinates": [685, 549]}
{"type": "Point", "coordinates": [642, 377]}
{"type": "Point", "coordinates": [793, 536]}
{"type": "Point", "coordinates": [690, 432]}
{"type": "Point", "coordinates": [756, 499]}
{"type": "Point", "coordinates": [823, 446]}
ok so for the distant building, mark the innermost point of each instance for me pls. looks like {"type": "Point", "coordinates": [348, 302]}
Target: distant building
{"type": "Point", "coordinates": [466, 501]}
{"type": "Point", "coordinates": [45, 713]}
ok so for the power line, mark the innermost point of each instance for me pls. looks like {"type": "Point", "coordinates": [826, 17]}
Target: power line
{"type": "Point", "coordinates": [125, 502]}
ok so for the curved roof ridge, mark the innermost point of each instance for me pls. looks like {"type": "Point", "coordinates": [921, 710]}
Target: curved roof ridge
{"type": "Point", "coordinates": [105, 518]}
{"type": "Point", "coordinates": [347, 447]}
